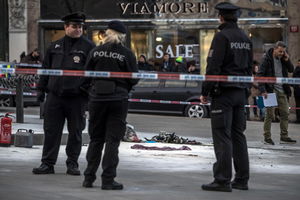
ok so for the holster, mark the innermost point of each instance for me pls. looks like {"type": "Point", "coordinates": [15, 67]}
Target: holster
{"type": "Point", "coordinates": [104, 87]}
{"type": "Point", "coordinates": [216, 90]}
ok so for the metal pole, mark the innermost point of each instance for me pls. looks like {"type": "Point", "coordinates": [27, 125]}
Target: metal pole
{"type": "Point", "coordinates": [42, 105]}
{"type": "Point", "coordinates": [19, 101]}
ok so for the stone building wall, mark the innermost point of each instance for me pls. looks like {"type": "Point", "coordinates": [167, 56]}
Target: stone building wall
{"type": "Point", "coordinates": [294, 38]}
{"type": "Point", "coordinates": [33, 14]}
{"type": "Point", "coordinates": [17, 28]}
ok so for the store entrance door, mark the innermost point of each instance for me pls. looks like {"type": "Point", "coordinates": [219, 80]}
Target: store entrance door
{"type": "Point", "coordinates": [3, 31]}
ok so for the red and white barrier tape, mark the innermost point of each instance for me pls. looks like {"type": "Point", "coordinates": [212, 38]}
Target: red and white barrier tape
{"type": "Point", "coordinates": [12, 92]}
{"type": "Point", "coordinates": [136, 75]}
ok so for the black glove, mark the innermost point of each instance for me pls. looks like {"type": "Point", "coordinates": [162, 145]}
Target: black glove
{"type": "Point", "coordinates": [84, 91]}
{"type": "Point", "coordinates": [41, 96]}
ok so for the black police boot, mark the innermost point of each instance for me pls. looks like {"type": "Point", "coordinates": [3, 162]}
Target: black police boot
{"type": "Point", "coordinates": [87, 183]}
{"type": "Point", "coordinates": [73, 170]}
{"type": "Point", "coordinates": [214, 186]}
{"type": "Point", "coordinates": [112, 186]}
{"type": "Point", "coordinates": [239, 186]}
{"type": "Point", "coordinates": [43, 169]}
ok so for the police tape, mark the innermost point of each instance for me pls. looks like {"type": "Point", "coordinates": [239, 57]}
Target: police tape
{"type": "Point", "coordinates": [14, 65]}
{"type": "Point", "coordinates": [188, 103]}
{"type": "Point", "coordinates": [150, 75]}
{"type": "Point", "coordinates": [13, 92]}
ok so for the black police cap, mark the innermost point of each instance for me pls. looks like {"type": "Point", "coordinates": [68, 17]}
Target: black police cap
{"type": "Point", "coordinates": [117, 26]}
{"type": "Point", "coordinates": [226, 8]}
{"type": "Point", "coordinates": [77, 18]}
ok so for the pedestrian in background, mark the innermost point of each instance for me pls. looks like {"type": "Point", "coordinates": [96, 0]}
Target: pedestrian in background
{"type": "Point", "coordinates": [108, 105]}
{"type": "Point", "coordinates": [143, 64]}
{"type": "Point", "coordinates": [166, 65]}
{"type": "Point", "coordinates": [64, 99]}
{"type": "Point", "coordinates": [179, 65]}
{"type": "Point", "coordinates": [32, 58]}
{"type": "Point", "coordinates": [255, 93]}
{"type": "Point", "coordinates": [230, 54]}
{"type": "Point", "coordinates": [276, 63]}
{"type": "Point", "coordinates": [191, 67]}
{"type": "Point", "coordinates": [296, 74]}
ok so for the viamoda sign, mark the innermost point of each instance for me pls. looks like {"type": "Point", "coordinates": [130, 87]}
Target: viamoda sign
{"type": "Point", "coordinates": [162, 7]}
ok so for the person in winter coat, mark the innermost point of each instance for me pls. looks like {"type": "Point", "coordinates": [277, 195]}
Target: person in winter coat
{"type": "Point", "coordinates": [296, 74]}
{"type": "Point", "coordinates": [230, 54]}
{"type": "Point", "coordinates": [65, 100]}
{"type": "Point", "coordinates": [108, 105]}
{"type": "Point", "coordinates": [276, 63]}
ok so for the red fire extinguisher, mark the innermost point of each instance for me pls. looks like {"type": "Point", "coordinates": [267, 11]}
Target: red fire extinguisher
{"type": "Point", "coordinates": [5, 129]}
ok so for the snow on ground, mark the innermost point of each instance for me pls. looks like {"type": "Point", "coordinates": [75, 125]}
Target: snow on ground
{"type": "Point", "coordinates": [200, 158]}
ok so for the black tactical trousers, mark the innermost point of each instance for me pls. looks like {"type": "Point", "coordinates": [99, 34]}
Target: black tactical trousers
{"type": "Point", "coordinates": [107, 124]}
{"type": "Point", "coordinates": [57, 109]}
{"type": "Point", "coordinates": [228, 122]}
{"type": "Point", "coordinates": [297, 100]}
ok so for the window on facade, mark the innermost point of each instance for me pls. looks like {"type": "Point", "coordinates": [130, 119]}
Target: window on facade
{"type": "Point", "coordinates": [263, 39]}
{"type": "Point", "coordinates": [177, 43]}
{"type": "Point", "coordinates": [98, 36]}
{"type": "Point", "coordinates": [140, 43]}
{"type": "Point", "coordinates": [53, 35]}
{"type": "Point", "coordinates": [206, 36]}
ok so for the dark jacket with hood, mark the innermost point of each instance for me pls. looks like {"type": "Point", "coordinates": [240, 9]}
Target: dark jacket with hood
{"type": "Point", "coordinates": [110, 57]}
{"type": "Point", "coordinates": [230, 54]}
{"type": "Point", "coordinates": [65, 54]}
{"type": "Point", "coordinates": [267, 69]}
{"type": "Point", "coordinates": [296, 74]}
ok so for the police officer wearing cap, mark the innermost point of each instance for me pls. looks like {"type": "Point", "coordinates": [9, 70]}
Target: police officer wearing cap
{"type": "Point", "coordinates": [108, 105]}
{"type": "Point", "coordinates": [64, 99]}
{"type": "Point", "coordinates": [230, 54]}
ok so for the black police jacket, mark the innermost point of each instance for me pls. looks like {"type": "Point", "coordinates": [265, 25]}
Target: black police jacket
{"type": "Point", "coordinates": [230, 54]}
{"type": "Point", "coordinates": [296, 74]}
{"type": "Point", "coordinates": [266, 69]}
{"type": "Point", "coordinates": [110, 57]}
{"type": "Point", "coordinates": [66, 54]}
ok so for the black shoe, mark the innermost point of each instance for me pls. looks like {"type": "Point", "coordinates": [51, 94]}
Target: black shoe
{"type": "Point", "coordinates": [87, 184]}
{"type": "Point", "coordinates": [214, 186]}
{"type": "Point", "coordinates": [72, 170]}
{"type": "Point", "coordinates": [287, 140]}
{"type": "Point", "coordinates": [239, 186]}
{"type": "Point", "coordinates": [269, 141]}
{"type": "Point", "coordinates": [112, 186]}
{"type": "Point", "coordinates": [43, 169]}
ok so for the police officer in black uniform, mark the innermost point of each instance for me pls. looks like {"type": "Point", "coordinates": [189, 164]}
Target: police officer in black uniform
{"type": "Point", "coordinates": [64, 100]}
{"type": "Point", "coordinates": [108, 105]}
{"type": "Point", "coordinates": [230, 54]}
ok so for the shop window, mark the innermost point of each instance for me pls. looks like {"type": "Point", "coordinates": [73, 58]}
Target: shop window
{"type": "Point", "coordinates": [263, 39]}
{"type": "Point", "coordinates": [140, 43]}
{"type": "Point", "coordinates": [98, 37]}
{"type": "Point", "coordinates": [206, 37]}
{"type": "Point", "coordinates": [177, 43]}
{"type": "Point", "coordinates": [53, 35]}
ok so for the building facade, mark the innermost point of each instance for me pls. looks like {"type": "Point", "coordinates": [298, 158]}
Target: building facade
{"type": "Point", "coordinates": [179, 27]}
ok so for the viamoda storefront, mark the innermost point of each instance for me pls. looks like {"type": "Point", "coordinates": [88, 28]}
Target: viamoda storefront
{"type": "Point", "coordinates": [179, 28]}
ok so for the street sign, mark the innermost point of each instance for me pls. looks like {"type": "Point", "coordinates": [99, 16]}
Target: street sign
{"type": "Point", "coordinates": [294, 28]}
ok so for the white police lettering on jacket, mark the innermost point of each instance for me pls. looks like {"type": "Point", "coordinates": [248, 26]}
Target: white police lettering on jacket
{"type": "Point", "coordinates": [108, 54]}
{"type": "Point", "coordinates": [240, 45]}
